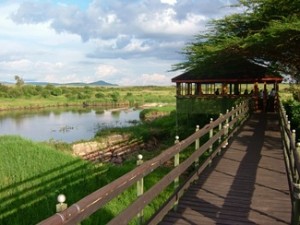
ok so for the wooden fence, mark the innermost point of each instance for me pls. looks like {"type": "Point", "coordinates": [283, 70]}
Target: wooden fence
{"type": "Point", "coordinates": [292, 162]}
{"type": "Point", "coordinates": [218, 132]}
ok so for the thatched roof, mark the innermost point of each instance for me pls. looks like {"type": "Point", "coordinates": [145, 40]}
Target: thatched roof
{"type": "Point", "coordinates": [229, 71]}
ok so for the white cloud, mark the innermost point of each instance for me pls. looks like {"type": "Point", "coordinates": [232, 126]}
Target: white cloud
{"type": "Point", "coordinates": [136, 45]}
{"type": "Point", "coordinates": [103, 71]}
{"type": "Point", "coordinates": [123, 42]}
{"type": "Point", "coordinates": [165, 22]}
{"type": "Point", "coordinates": [19, 65]}
{"type": "Point", "coordinates": [146, 79]}
{"type": "Point", "coordinates": [154, 79]}
{"type": "Point", "coordinates": [169, 2]}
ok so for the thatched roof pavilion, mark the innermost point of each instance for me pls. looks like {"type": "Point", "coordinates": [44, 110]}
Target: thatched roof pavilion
{"type": "Point", "coordinates": [233, 78]}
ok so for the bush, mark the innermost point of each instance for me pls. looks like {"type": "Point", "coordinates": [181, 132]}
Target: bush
{"type": "Point", "coordinates": [15, 93]}
{"type": "Point", "coordinates": [45, 93]}
{"type": "Point", "coordinates": [115, 96]}
{"type": "Point", "coordinates": [56, 92]}
{"type": "Point", "coordinates": [29, 90]}
{"type": "Point", "coordinates": [100, 95]}
{"type": "Point", "coordinates": [83, 96]}
{"type": "Point", "coordinates": [292, 108]}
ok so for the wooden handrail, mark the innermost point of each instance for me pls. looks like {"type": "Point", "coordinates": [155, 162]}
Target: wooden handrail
{"type": "Point", "coordinates": [94, 201]}
{"type": "Point", "coordinates": [292, 162]}
{"type": "Point", "coordinates": [288, 140]}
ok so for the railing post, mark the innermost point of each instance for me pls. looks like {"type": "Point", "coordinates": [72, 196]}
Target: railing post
{"type": "Point", "coordinates": [140, 190]}
{"type": "Point", "coordinates": [294, 137]}
{"type": "Point", "coordinates": [176, 180]}
{"type": "Point", "coordinates": [211, 133]}
{"type": "Point", "coordinates": [220, 128]}
{"type": "Point", "coordinates": [297, 175]}
{"type": "Point", "coordinates": [296, 198]}
{"type": "Point", "coordinates": [226, 128]}
{"type": "Point", "coordinates": [296, 205]}
{"type": "Point", "coordinates": [287, 136]}
{"type": "Point", "coordinates": [61, 206]}
{"type": "Point", "coordinates": [291, 153]}
{"type": "Point", "coordinates": [197, 145]}
{"type": "Point", "coordinates": [232, 116]}
{"type": "Point", "coordinates": [241, 110]}
{"type": "Point", "coordinates": [227, 111]}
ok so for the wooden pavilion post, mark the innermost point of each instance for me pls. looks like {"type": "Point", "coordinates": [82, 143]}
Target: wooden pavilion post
{"type": "Point", "coordinates": [199, 89]}
{"type": "Point", "coordinates": [178, 89]}
{"type": "Point", "coordinates": [265, 97]}
{"type": "Point", "coordinates": [255, 96]}
{"type": "Point", "coordinates": [276, 86]}
{"type": "Point", "coordinates": [189, 88]}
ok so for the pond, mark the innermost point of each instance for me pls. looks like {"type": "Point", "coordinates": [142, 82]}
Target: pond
{"type": "Point", "coordinates": [67, 125]}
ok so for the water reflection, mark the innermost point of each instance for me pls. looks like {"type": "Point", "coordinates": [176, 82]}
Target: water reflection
{"type": "Point", "coordinates": [69, 125]}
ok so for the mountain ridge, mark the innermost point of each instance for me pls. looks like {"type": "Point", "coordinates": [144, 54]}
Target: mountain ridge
{"type": "Point", "coordinates": [96, 83]}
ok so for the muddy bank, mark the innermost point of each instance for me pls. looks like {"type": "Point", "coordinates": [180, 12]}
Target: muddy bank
{"type": "Point", "coordinates": [113, 148]}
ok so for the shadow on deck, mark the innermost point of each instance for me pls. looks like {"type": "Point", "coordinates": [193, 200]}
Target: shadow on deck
{"type": "Point", "coordinates": [247, 185]}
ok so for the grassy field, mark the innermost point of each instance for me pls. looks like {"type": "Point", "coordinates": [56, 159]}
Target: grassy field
{"type": "Point", "coordinates": [32, 175]}
{"type": "Point", "coordinates": [17, 98]}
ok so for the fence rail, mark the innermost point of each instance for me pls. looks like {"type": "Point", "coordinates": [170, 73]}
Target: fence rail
{"type": "Point", "coordinates": [292, 162]}
{"type": "Point", "coordinates": [218, 131]}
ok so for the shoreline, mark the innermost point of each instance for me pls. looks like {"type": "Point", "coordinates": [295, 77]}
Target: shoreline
{"type": "Point", "coordinates": [59, 105]}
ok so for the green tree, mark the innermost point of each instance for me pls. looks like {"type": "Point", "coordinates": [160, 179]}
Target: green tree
{"type": "Point", "coordinates": [267, 32]}
{"type": "Point", "coordinates": [115, 96]}
{"type": "Point", "coordinates": [100, 95]}
{"type": "Point", "coordinates": [14, 93]}
{"type": "Point", "coordinates": [56, 91]}
{"type": "Point", "coordinates": [3, 90]}
{"type": "Point", "coordinates": [19, 81]}
{"type": "Point", "coordinates": [29, 90]}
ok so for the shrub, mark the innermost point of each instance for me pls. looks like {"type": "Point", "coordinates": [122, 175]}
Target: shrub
{"type": "Point", "coordinates": [100, 95]}
{"type": "Point", "coordinates": [56, 92]}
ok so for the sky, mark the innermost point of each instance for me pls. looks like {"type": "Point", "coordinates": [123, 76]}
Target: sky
{"type": "Point", "coordinates": [123, 42]}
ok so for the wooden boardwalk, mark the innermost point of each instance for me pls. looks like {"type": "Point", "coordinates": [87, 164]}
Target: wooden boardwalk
{"type": "Point", "coordinates": [246, 185]}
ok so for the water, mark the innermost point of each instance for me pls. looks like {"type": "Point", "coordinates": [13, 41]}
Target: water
{"type": "Point", "coordinates": [68, 125]}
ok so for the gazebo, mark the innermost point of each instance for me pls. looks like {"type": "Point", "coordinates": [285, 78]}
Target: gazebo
{"type": "Point", "coordinates": [220, 85]}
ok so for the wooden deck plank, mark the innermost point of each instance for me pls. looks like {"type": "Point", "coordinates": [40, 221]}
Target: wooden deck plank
{"type": "Point", "coordinates": [247, 185]}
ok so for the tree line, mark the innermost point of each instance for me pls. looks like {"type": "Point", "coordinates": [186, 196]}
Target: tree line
{"type": "Point", "coordinates": [46, 94]}
{"type": "Point", "coordinates": [20, 90]}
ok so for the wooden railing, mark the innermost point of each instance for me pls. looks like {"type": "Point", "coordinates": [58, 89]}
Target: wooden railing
{"type": "Point", "coordinates": [218, 131]}
{"type": "Point", "coordinates": [292, 162]}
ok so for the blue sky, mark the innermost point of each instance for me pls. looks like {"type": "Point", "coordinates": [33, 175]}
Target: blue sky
{"type": "Point", "coordinates": [122, 42]}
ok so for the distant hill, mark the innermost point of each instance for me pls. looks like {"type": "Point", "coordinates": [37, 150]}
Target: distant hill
{"type": "Point", "coordinates": [102, 83]}
{"type": "Point", "coordinates": [97, 83]}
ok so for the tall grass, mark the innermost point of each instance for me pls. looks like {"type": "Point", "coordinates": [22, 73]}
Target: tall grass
{"type": "Point", "coordinates": [32, 175]}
